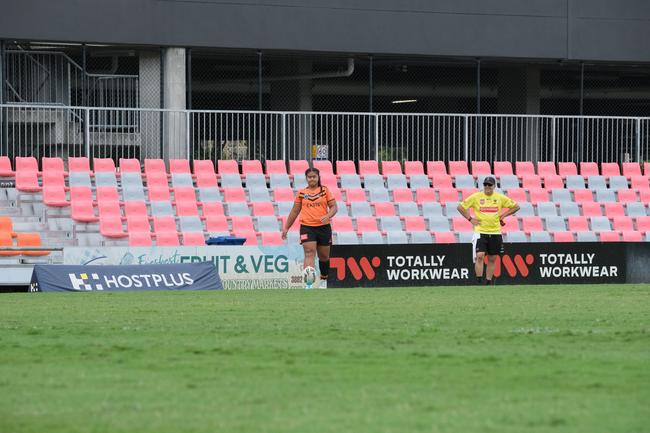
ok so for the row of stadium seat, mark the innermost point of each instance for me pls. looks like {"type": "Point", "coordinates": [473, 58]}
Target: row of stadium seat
{"type": "Point", "coordinates": [22, 239]}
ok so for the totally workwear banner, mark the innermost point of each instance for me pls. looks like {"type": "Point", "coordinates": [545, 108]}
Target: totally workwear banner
{"type": "Point", "coordinates": [64, 278]}
{"type": "Point", "coordinates": [451, 264]}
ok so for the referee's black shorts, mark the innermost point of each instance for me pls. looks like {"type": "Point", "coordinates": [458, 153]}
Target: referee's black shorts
{"type": "Point", "coordinates": [322, 235]}
{"type": "Point", "coordinates": [491, 244]}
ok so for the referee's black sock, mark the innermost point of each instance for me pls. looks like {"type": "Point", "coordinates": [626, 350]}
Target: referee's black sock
{"type": "Point", "coordinates": [324, 266]}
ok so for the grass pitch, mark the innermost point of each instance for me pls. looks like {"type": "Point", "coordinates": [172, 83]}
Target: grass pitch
{"type": "Point", "coordinates": [463, 359]}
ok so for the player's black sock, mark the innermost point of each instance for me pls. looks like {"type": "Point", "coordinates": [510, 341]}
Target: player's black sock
{"type": "Point", "coordinates": [479, 279]}
{"type": "Point", "coordinates": [488, 282]}
{"type": "Point", "coordinates": [324, 266]}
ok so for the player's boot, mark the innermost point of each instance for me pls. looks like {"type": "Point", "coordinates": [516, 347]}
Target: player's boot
{"type": "Point", "coordinates": [323, 284]}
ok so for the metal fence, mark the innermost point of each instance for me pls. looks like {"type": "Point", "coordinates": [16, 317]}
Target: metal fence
{"type": "Point", "coordinates": [152, 133]}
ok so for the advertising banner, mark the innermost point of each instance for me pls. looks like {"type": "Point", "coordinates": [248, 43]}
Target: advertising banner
{"type": "Point", "coordinates": [239, 267]}
{"type": "Point", "coordinates": [124, 278]}
{"type": "Point", "coordinates": [451, 264]}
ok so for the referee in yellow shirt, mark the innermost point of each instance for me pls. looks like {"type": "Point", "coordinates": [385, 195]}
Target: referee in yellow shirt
{"type": "Point", "coordinates": [487, 223]}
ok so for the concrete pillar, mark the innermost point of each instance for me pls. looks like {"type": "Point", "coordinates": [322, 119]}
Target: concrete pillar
{"type": "Point", "coordinates": [150, 121]}
{"type": "Point", "coordinates": [175, 94]}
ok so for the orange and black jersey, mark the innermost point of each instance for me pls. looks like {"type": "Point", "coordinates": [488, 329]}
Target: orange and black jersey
{"type": "Point", "coordinates": [313, 205]}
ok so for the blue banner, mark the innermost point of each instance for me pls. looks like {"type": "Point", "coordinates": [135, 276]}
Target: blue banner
{"type": "Point", "coordinates": [125, 278]}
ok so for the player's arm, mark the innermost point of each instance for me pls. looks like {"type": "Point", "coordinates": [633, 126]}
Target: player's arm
{"type": "Point", "coordinates": [465, 213]}
{"type": "Point", "coordinates": [510, 211]}
{"type": "Point", "coordinates": [291, 218]}
{"type": "Point", "coordinates": [332, 210]}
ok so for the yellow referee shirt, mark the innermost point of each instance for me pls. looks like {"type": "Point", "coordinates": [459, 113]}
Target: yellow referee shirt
{"type": "Point", "coordinates": [488, 209]}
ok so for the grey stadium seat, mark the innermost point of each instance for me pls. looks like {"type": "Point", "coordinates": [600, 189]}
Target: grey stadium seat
{"type": "Point", "coordinates": [284, 207]}
{"type": "Point", "coordinates": [390, 223]}
{"type": "Point", "coordinates": [371, 238]}
{"type": "Point", "coordinates": [209, 195]}
{"type": "Point", "coordinates": [255, 180]}
{"type": "Point", "coordinates": [465, 181]}
{"type": "Point", "coordinates": [439, 224]}
{"type": "Point", "coordinates": [78, 178]}
{"type": "Point", "coordinates": [371, 181]}
{"type": "Point", "coordinates": [238, 209]}
{"type": "Point", "coordinates": [299, 182]}
{"type": "Point", "coordinates": [618, 182]}
{"type": "Point", "coordinates": [161, 208]}
{"type": "Point", "coordinates": [105, 179]}
{"type": "Point", "coordinates": [516, 236]}
{"type": "Point", "coordinates": [343, 208]}
{"type": "Point", "coordinates": [396, 181]}
{"type": "Point", "coordinates": [259, 193]}
{"type": "Point", "coordinates": [546, 209]}
{"type": "Point", "coordinates": [347, 238]}
{"type": "Point", "coordinates": [408, 209]}
{"type": "Point", "coordinates": [182, 179]}
{"type": "Point", "coordinates": [575, 182]}
{"type": "Point", "coordinates": [451, 209]}
{"type": "Point", "coordinates": [561, 195]}
{"type": "Point", "coordinates": [420, 181]}
{"type": "Point", "coordinates": [596, 182]}
{"type": "Point", "coordinates": [508, 181]}
{"type": "Point", "coordinates": [635, 209]}
{"type": "Point", "coordinates": [267, 224]}
{"type": "Point", "coordinates": [421, 238]}
{"type": "Point", "coordinates": [430, 209]}
{"type": "Point", "coordinates": [540, 237]}
{"type": "Point", "coordinates": [606, 196]}
{"type": "Point", "coordinates": [525, 209]}
{"type": "Point", "coordinates": [360, 208]}
{"type": "Point", "coordinates": [397, 237]}
{"type": "Point", "coordinates": [350, 181]}
{"type": "Point", "coordinates": [465, 237]}
{"type": "Point", "coordinates": [379, 195]}
{"type": "Point", "coordinates": [279, 180]}
{"type": "Point", "coordinates": [569, 209]}
{"type": "Point", "coordinates": [555, 224]}
{"type": "Point", "coordinates": [587, 237]}
{"type": "Point", "coordinates": [190, 224]}
{"type": "Point", "coordinates": [230, 180]}
{"type": "Point", "coordinates": [600, 224]}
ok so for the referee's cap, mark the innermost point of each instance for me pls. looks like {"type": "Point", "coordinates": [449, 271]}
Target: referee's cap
{"type": "Point", "coordinates": [489, 181]}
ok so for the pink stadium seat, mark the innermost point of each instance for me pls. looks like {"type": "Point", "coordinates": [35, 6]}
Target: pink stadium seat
{"type": "Point", "coordinates": [251, 167]}
{"type": "Point", "coordinates": [283, 194]}
{"type": "Point", "coordinates": [263, 208]}
{"type": "Point", "coordinates": [444, 237]}
{"type": "Point", "coordinates": [298, 167]}
{"type": "Point", "coordinates": [296, 224]}
{"type": "Point", "coordinates": [26, 164]}
{"type": "Point", "coordinates": [203, 166]}
{"type": "Point", "coordinates": [164, 224]}
{"type": "Point", "coordinates": [187, 208]}
{"type": "Point", "coordinates": [530, 181]}
{"type": "Point", "coordinates": [129, 165]}
{"type": "Point", "coordinates": [274, 166]}
{"type": "Point", "coordinates": [623, 223]}
{"type": "Point", "coordinates": [329, 180]}
{"type": "Point", "coordinates": [336, 193]}
{"type": "Point", "coordinates": [111, 227]}
{"type": "Point", "coordinates": [646, 168]}
{"type": "Point", "coordinates": [109, 209]}
{"type": "Point", "coordinates": [631, 236]}
{"type": "Point", "coordinates": [340, 223]}
{"type": "Point", "coordinates": [402, 195]}
{"type": "Point", "coordinates": [242, 223]}
{"type": "Point", "coordinates": [583, 195]}
{"type": "Point", "coordinates": [345, 167]}
{"type": "Point", "coordinates": [447, 194]}
{"type": "Point", "coordinates": [613, 210]}
{"type": "Point", "coordinates": [643, 224]}
{"type": "Point", "coordinates": [249, 235]}
{"type": "Point", "coordinates": [167, 239]}
{"type": "Point", "coordinates": [578, 224]}
{"type": "Point", "coordinates": [546, 168]}
{"type": "Point", "coordinates": [466, 192]}
{"type": "Point", "coordinates": [391, 167]}
{"type": "Point", "coordinates": [626, 196]}
{"type": "Point", "coordinates": [414, 224]}
{"type": "Point", "coordinates": [565, 169]}
{"type": "Point", "coordinates": [368, 167]}
{"type": "Point", "coordinates": [213, 208]}
{"type": "Point", "coordinates": [631, 169]}
{"type": "Point", "coordinates": [5, 167]}
{"type": "Point", "coordinates": [179, 166]}
{"type": "Point", "coordinates": [365, 224]}
{"type": "Point", "coordinates": [234, 194]}
{"type": "Point", "coordinates": [27, 181]}
{"type": "Point", "coordinates": [413, 168]}
{"type": "Point", "coordinates": [511, 225]}
{"type": "Point", "coordinates": [517, 194]}
{"type": "Point", "coordinates": [107, 193]}
{"type": "Point", "coordinates": [524, 168]}
{"type": "Point", "coordinates": [563, 237]}
{"type": "Point", "coordinates": [609, 236]}
{"type": "Point", "coordinates": [480, 168]}
{"type": "Point", "coordinates": [538, 195]}
{"type": "Point", "coordinates": [135, 209]}
{"type": "Point", "coordinates": [272, 239]}
{"type": "Point", "coordinates": [140, 239]}
{"type": "Point", "coordinates": [384, 209]}
{"type": "Point", "coordinates": [216, 223]}
{"type": "Point", "coordinates": [589, 169]}
{"type": "Point", "coordinates": [81, 193]}
{"type": "Point", "coordinates": [639, 182]}
{"type": "Point", "coordinates": [104, 165]}
{"type": "Point", "coordinates": [158, 191]}
{"type": "Point", "coordinates": [457, 168]}
{"type": "Point", "coordinates": [54, 196]}
{"type": "Point", "coordinates": [185, 194]}
{"type": "Point", "coordinates": [610, 169]}
{"type": "Point", "coordinates": [442, 181]}
{"type": "Point", "coordinates": [53, 179]}
{"type": "Point", "coordinates": [193, 239]}
{"type": "Point", "coordinates": [591, 209]}
{"type": "Point", "coordinates": [436, 168]}
{"type": "Point", "coordinates": [425, 195]}
{"type": "Point", "coordinates": [532, 224]}
{"type": "Point", "coordinates": [354, 194]}
{"type": "Point", "coordinates": [553, 181]}
{"type": "Point", "coordinates": [78, 164]}
{"type": "Point", "coordinates": [460, 224]}
{"type": "Point", "coordinates": [502, 168]}
{"type": "Point", "coordinates": [154, 166]}
{"type": "Point", "coordinates": [138, 224]}
{"type": "Point", "coordinates": [227, 166]}
{"type": "Point", "coordinates": [644, 196]}
{"type": "Point", "coordinates": [324, 167]}
{"type": "Point", "coordinates": [53, 165]}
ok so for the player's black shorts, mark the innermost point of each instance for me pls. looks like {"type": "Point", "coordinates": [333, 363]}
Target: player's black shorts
{"type": "Point", "coordinates": [322, 235]}
{"type": "Point", "coordinates": [490, 244]}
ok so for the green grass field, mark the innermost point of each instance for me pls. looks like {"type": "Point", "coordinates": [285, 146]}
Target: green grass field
{"type": "Point", "coordinates": [464, 359]}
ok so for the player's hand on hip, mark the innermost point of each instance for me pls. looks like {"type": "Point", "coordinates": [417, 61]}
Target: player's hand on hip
{"type": "Point", "coordinates": [325, 219]}
{"type": "Point", "coordinates": [475, 221]}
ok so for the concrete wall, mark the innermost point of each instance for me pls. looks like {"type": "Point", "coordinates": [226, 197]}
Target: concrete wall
{"type": "Point", "coordinates": [615, 30]}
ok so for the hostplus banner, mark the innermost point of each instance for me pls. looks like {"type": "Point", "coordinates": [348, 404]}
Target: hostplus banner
{"type": "Point", "coordinates": [239, 267]}
{"type": "Point", "coordinates": [66, 278]}
{"type": "Point", "coordinates": [451, 264]}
